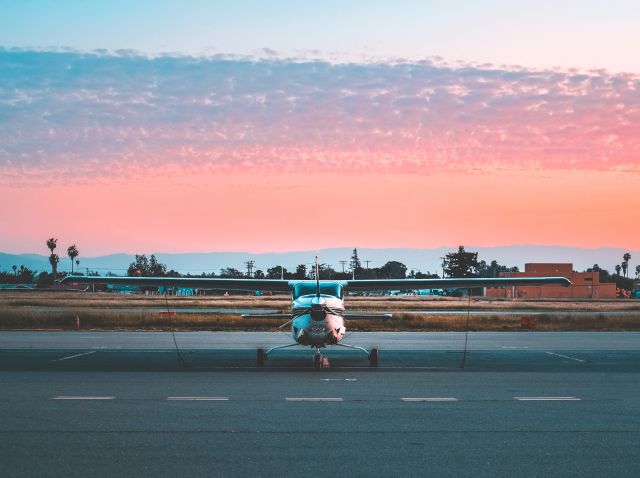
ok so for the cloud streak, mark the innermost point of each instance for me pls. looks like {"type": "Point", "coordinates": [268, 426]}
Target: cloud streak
{"type": "Point", "coordinates": [77, 115]}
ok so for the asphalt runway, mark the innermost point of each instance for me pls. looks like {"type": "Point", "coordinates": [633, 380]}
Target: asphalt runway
{"type": "Point", "coordinates": [525, 404]}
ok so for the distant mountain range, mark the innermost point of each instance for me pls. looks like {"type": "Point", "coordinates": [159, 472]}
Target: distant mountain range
{"type": "Point", "coordinates": [418, 259]}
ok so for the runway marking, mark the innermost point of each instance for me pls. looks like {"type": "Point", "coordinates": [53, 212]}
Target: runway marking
{"type": "Point", "coordinates": [200, 399]}
{"type": "Point", "coordinates": [338, 379]}
{"type": "Point", "coordinates": [547, 399]}
{"type": "Point", "coordinates": [429, 399]}
{"type": "Point", "coordinates": [566, 356]}
{"type": "Point", "coordinates": [314, 399]}
{"type": "Point", "coordinates": [74, 356]}
{"type": "Point", "coordinates": [71, 397]}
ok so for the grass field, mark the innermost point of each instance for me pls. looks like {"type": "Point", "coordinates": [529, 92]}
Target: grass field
{"type": "Point", "coordinates": [101, 311]}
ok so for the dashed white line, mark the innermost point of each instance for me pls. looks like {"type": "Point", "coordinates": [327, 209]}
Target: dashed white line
{"type": "Point", "coordinates": [566, 356]}
{"type": "Point", "coordinates": [72, 397]}
{"type": "Point", "coordinates": [74, 356]}
{"type": "Point", "coordinates": [547, 399]}
{"type": "Point", "coordinates": [338, 379]}
{"type": "Point", "coordinates": [314, 399]}
{"type": "Point", "coordinates": [199, 399]}
{"type": "Point", "coordinates": [429, 399]}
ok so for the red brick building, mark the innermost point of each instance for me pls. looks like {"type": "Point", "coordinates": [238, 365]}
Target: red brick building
{"type": "Point", "coordinates": [586, 285]}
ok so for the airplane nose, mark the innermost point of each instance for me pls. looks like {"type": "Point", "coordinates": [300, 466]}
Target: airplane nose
{"type": "Point", "coordinates": [318, 312]}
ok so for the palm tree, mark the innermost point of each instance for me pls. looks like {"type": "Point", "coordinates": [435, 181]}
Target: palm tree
{"type": "Point", "coordinates": [618, 268]}
{"type": "Point", "coordinates": [625, 264]}
{"type": "Point", "coordinates": [53, 260]}
{"type": "Point", "coordinates": [72, 252]}
{"type": "Point", "coordinates": [52, 243]}
{"type": "Point", "coordinates": [15, 268]}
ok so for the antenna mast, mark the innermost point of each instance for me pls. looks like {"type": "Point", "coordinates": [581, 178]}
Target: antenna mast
{"type": "Point", "coordinates": [317, 279]}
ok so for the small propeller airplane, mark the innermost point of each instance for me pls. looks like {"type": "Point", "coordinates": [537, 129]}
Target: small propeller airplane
{"type": "Point", "coordinates": [317, 306]}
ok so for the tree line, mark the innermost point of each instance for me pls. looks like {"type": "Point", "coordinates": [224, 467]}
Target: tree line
{"type": "Point", "coordinates": [455, 264]}
{"type": "Point", "coordinates": [24, 275]}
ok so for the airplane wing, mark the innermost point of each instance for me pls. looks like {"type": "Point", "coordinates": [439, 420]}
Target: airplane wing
{"type": "Point", "coordinates": [464, 283]}
{"type": "Point", "coordinates": [274, 285]}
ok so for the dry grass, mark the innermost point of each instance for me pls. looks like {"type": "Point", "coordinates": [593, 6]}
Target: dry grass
{"type": "Point", "coordinates": [458, 323]}
{"type": "Point", "coordinates": [107, 312]}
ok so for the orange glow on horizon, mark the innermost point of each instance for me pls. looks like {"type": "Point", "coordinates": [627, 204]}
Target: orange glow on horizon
{"type": "Point", "coordinates": [185, 212]}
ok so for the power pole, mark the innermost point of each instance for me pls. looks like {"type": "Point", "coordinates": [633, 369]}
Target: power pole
{"type": "Point", "coordinates": [367, 263]}
{"type": "Point", "coordinates": [344, 263]}
{"type": "Point", "coordinates": [249, 265]}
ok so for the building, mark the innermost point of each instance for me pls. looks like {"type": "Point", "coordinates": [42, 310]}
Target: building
{"type": "Point", "coordinates": [586, 285]}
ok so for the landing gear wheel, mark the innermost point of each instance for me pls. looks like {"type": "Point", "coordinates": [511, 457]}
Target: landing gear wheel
{"type": "Point", "coordinates": [261, 357]}
{"type": "Point", "coordinates": [317, 360]}
{"type": "Point", "coordinates": [373, 358]}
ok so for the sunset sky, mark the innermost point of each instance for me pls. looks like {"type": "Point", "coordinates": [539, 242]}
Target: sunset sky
{"type": "Point", "coordinates": [275, 126]}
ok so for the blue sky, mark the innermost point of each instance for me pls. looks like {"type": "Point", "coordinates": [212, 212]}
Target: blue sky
{"type": "Point", "coordinates": [542, 33]}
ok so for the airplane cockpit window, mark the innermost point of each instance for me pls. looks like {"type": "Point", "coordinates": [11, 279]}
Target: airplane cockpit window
{"type": "Point", "coordinates": [309, 288]}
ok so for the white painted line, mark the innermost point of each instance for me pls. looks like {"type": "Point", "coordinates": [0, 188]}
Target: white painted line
{"type": "Point", "coordinates": [313, 399]}
{"type": "Point", "coordinates": [566, 356]}
{"type": "Point", "coordinates": [200, 399]}
{"type": "Point", "coordinates": [74, 356]}
{"type": "Point", "coordinates": [338, 379]}
{"type": "Point", "coordinates": [547, 399]}
{"type": "Point", "coordinates": [429, 399]}
{"type": "Point", "coordinates": [70, 397]}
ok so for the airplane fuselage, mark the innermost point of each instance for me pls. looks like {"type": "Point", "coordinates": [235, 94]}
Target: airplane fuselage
{"type": "Point", "coordinates": [317, 321]}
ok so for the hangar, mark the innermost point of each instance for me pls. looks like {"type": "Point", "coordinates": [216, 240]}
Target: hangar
{"type": "Point", "coordinates": [585, 285]}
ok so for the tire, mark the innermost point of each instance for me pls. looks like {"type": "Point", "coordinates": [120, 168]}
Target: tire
{"type": "Point", "coordinates": [261, 357]}
{"type": "Point", "coordinates": [317, 361]}
{"type": "Point", "coordinates": [373, 358]}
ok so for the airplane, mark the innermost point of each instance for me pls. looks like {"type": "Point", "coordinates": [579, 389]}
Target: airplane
{"type": "Point", "coordinates": [317, 315]}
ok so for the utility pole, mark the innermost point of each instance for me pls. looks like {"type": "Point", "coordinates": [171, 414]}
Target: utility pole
{"type": "Point", "coordinates": [367, 263]}
{"type": "Point", "coordinates": [249, 265]}
{"type": "Point", "coordinates": [442, 267]}
{"type": "Point", "coordinates": [343, 263]}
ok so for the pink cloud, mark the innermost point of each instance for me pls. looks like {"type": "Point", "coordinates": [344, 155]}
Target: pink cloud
{"type": "Point", "coordinates": [69, 115]}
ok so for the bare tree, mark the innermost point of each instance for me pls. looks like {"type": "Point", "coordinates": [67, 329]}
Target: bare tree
{"type": "Point", "coordinates": [72, 252]}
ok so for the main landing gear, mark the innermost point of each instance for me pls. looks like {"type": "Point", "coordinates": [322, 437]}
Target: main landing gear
{"type": "Point", "coordinates": [319, 361]}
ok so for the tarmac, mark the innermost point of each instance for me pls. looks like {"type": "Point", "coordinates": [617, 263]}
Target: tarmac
{"type": "Point", "coordinates": [131, 403]}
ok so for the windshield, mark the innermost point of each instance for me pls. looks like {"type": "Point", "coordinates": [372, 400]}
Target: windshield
{"type": "Point", "coordinates": [309, 288]}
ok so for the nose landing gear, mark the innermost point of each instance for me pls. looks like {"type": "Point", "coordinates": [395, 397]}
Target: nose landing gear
{"type": "Point", "coordinates": [320, 361]}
